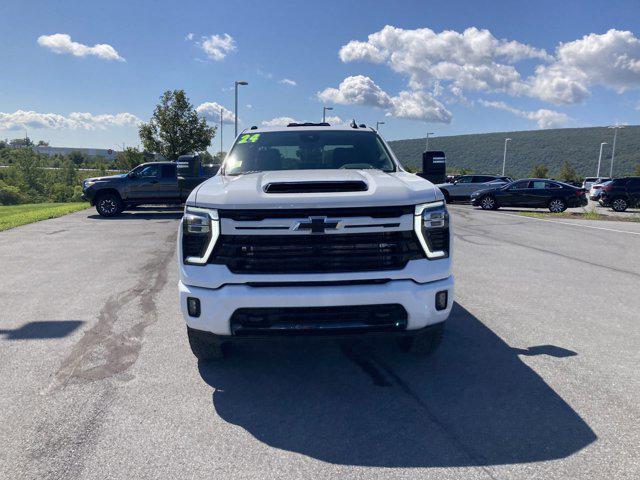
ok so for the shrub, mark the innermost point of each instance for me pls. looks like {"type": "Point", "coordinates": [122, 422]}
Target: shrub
{"type": "Point", "coordinates": [10, 195]}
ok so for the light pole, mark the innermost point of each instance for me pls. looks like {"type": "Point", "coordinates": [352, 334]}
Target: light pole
{"type": "Point", "coordinates": [324, 113]}
{"type": "Point", "coordinates": [235, 112]}
{"type": "Point", "coordinates": [378, 125]}
{"type": "Point", "coordinates": [504, 157]}
{"type": "Point", "coordinates": [600, 158]}
{"type": "Point", "coordinates": [221, 113]}
{"type": "Point", "coordinates": [615, 127]}
{"type": "Point", "coordinates": [426, 148]}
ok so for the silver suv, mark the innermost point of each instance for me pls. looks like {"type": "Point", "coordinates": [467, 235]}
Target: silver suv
{"type": "Point", "coordinates": [464, 186]}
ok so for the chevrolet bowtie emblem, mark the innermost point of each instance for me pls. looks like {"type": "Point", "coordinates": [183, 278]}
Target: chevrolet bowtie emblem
{"type": "Point", "coordinates": [317, 225]}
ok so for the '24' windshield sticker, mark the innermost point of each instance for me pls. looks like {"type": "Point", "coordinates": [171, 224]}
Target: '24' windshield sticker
{"type": "Point", "coordinates": [249, 138]}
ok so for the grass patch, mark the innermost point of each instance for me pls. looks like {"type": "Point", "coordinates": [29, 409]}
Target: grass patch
{"type": "Point", "coordinates": [586, 215]}
{"type": "Point", "coordinates": [15, 215]}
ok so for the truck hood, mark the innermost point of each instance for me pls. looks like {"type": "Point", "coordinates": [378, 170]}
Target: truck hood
{"type": "Point", "coordinates": [108, 178]}
{"type": "Point", "coordinates": [248, 191]}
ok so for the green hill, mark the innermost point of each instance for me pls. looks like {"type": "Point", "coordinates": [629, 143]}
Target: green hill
{"type": "Point", "coordinates": [482, 153]}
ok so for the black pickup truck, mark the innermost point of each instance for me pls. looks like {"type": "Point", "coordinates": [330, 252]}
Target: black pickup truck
{"type": "Point", "coordinates": [165, 183]}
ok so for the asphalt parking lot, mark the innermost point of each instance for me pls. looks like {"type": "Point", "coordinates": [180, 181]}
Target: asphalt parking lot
{"type": "Point", "coordinates": [537, 377]}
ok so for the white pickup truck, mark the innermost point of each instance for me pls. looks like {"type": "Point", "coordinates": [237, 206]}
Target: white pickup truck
{"type": "Point", "coordinates": [311, 229]}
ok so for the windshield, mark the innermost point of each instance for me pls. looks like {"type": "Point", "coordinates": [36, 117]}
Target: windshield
{"type": "Point", "coordinates": [307, 150]}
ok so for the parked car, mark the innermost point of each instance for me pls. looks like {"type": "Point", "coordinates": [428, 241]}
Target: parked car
{"type": "Point", "coordinates": [149, 183]}
{"type": "Point", "coordinates": [465, 185]}
{"type": "Point", "coordinates": [533, 193]}
{"type": "Point", "coordinates": [621, 193]}
{"type": "Point", "coordinates": [589, 181]}
{"type": "Point", "coordinates": [313, 229]}
{"type": "Point", "coordinates": [596, 188]}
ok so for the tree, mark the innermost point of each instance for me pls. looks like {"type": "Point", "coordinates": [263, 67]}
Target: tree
{"type": "Point", "coordinates": [540, 171]}
{"type": "Point", "coordinates": [175, 128]}
{"type": "Point", "coordinates": [27, 166]}
{"type": "Point", "coordinates": [129, 159]}
{"type": "Point", "coordinates": [69, 173]}
{"type": "Point", "coordinates": [567, 173]}
{"type": "Point", "coordinates": [42, 143]}
{"type": "Point", "coordinates": [219, 157]}
{"type": "Point", "coordinates": [77, 157]}
{"type": "Point", "coordinates": [21, 142]}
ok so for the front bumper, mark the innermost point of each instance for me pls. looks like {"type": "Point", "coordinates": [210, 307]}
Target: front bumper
{"type": "Point", "coordinates": [218, 305]}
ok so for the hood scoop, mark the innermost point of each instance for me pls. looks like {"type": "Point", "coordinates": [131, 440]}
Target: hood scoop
{"type": "Point", "coordinates": [316, 187]}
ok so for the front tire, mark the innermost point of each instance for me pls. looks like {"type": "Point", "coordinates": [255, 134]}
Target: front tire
{"type": "Point", "coordinates": [557, 205]}
{"type": "Point", "coordinates": [425, 343]}
{"type": "Point", "coordinates": [619, 204]}
{"type": "Point", "coordinates": [203, 347]}
{"type": "Point", "coordinates": [109, 205]}
{"type": "Point", "coordinates": [488, 203]}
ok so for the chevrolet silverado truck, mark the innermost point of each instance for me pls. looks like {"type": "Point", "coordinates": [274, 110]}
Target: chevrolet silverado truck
{"type": "Point", "coordinates": [313, 229]}
{"type": "Point", "coordinates": [163, 183]}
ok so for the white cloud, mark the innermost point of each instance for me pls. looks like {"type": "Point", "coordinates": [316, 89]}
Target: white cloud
{"type": "Point", "coordinates": [249, 106]}
{"type": "Point", "coordinates": [334, 120]}
{"type": "Point", "coordinates": [357, 90]}
{"type": "Point", "coordinates": [361, 90]}
{"type": "Point", "coordinates": [473, 59]}
{"type": "Point", "coordinates": [279, 122]}
{"type": "Point", "coordinates": [189, 36]}
{"type": "Point", "coordinates": [611, 59]}
{"type": "Point", "coordinates": [61, 43]}
{"type": "Point", "coordinates": [217, 47]}
{"type": "Point", "coordinates": [544, 118]}
{"type": "Point", "coordinates": [289, 82]}
{"type": "Point", "coordinates": [76, 120]}
{"type": "Point", "coordinates": [211, 111]}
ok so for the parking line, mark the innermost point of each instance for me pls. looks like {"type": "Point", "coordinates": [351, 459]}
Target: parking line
{"type": "Point", "coordinates": [570, 223]}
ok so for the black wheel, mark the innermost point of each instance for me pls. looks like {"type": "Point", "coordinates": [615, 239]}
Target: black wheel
{"type": "Point", "coordinates": [204, 348]}
{"type": "Point", "coordinates": [619, 204]}
{"type": "Point", "coordinates": [488, 203]}
{"type": "Point", "coordinates": [446, 196]}
{"type": "Point", "coordinates": [557, 205]}
{"type": "Point", "coordinates": [425, 343]}
{"type": "Point", "coordinates": [109, 204]}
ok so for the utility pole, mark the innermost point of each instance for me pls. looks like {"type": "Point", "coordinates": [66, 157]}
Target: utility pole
{"type": "Point", "coordinates": [221, 110]}
{"type": "Point", "coordinates": [324, 113]}
{"type": "Point", "coordinates": [615, 127]}
{"type": "Point", "coordinates": [235, 112]}
{"type": "Point", "coordinates": [600, 158]}
{"type": "Point", "coordinates": [504, 156]}
{"type": "Point", "coordinates": [426, 148]}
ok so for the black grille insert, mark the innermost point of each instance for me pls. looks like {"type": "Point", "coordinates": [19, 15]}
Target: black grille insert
{"type": "Point", "coordinates": [316, 253]}
{"type": "Point", "coordinates": [373, 212]}
{"type": "Point", "coordinates": [319, 320]}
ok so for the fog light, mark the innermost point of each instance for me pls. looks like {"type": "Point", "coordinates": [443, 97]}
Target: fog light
{"type": "Point", "coordinates": [193, 306]}
{"type": "Point", "coordinates": [441, 300]}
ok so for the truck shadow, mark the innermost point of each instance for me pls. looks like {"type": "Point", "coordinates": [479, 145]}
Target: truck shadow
{"type": "Point", "coordinates": [145, 213]}
{"type": "Point", "coordinates": [363, 403]}
{"type": "Point", "coordinates": [41, 330]}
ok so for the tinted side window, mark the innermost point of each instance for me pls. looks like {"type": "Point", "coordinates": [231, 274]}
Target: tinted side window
{"type": "Point", "coordinates": [519, 185]}
{"type": "Point", "coordinates": [149, 171]}
{"type": "Point", "coordinates": [538, 184]}
{"type": "Point", "coordinates": [482, 178]}
{"type": "Point", "coordinates": [168, 171]}
{"type": "Point", "coordinates": [465, 179]}
{"type": "Point", "coordinates": [552, 185]}
{"type": "Point", "coordinates": [634, 183]}
{"type": "Point", "coordinates": [620, 182]}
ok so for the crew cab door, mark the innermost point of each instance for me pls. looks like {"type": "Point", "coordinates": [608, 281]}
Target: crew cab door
{"type": "Point", "coordinates": [633, 190]}
{"type": "Point", "coordinates": [168, 183]}
{"type": "Point", "coordinates": [145, 183]}
{"type": "Point", "coordinates": [463, 187]}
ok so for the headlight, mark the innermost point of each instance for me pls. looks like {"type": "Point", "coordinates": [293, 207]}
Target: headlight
{"type": "Point", "coordinates": [200, 231]}
{"type": "Point", "coordinates": [87, 183]}
{"type": "Point", "coordinates": [431, 224]}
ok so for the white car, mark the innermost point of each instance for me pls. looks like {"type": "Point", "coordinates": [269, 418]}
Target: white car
{"type": "Point", "coordinates": [311, 229]}
{"type": "Point", "coordinates": [596, 188]}
{"type": "Point", "coordinates": [464, 186]}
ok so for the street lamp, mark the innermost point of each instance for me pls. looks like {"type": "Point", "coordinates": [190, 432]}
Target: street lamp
{"type": "Point", "coordinates": [426, 148]}
{"type": "Point", "coordinates": [600, 158]}
{"type": "Point", "coordinates": [378, 125]}
{"type": "Point", "coordinates": [504, 157]}
{"type": "Point", "coordinates": [615, 127]}
{"type": "Point", "coordinates": [221, 113]}
{"type": "Point", "coordinates": [324, 113]}
{"type": "Point", "coordinates": [235, 112]}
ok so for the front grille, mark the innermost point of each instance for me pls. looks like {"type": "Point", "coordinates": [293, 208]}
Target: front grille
{"type": "Point", "coordinates": [316, 253]}
{"type": "Point", "coordinates": [373, 212]}
{"type": "Point", "coordinates": [319, 320]}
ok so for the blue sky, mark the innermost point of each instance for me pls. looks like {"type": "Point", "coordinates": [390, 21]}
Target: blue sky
{"type": "Point", "coordinates": [508, 73]}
